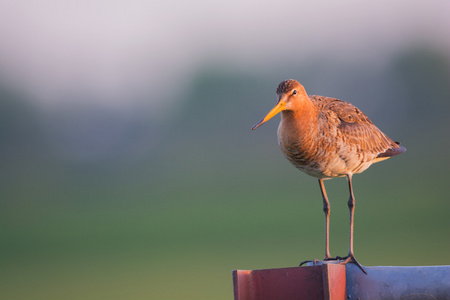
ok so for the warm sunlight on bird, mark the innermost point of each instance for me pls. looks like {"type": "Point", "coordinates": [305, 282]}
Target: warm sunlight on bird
{"type": "Point", "coordinates": [327, 138]}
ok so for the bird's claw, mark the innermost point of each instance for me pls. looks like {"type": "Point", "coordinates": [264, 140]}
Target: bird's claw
{"type": "Point", "coordinates": [333, 258]}
{"type": "Point", "coordinates": [345, 260]}
{"type": "Point", "coordinates": [351, 258]}
{"type": "Point", "coordinates": [314, 261]}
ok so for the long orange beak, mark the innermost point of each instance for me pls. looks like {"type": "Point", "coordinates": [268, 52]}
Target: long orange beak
{"type": "Point", "coordinates": [279, 107]}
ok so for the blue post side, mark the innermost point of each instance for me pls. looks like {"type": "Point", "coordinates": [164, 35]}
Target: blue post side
{"type": "Point", "coordinates": [428, 282]}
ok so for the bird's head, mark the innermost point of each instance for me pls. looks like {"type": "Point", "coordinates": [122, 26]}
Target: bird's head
{"type": "Point", "coordinates": [290, 95]}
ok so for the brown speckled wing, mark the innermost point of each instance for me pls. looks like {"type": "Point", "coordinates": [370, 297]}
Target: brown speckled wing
{"type": "Point", "coordinates": [354, 127]}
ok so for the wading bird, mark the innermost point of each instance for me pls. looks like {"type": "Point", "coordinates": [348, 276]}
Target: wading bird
{"type": "Point", "coordinates": [327, 138]}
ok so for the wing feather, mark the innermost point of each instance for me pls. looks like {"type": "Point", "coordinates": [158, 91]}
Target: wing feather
{"type": "Point", "coordinates": [355, 128]}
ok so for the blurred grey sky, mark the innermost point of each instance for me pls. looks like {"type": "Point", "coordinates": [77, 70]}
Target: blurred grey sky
{"type": "Point", "coordinates": [115, 51]}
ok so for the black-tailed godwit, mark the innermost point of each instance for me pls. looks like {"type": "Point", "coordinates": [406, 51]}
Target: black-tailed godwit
{"type": "Point", "coordinates": [327, 138]}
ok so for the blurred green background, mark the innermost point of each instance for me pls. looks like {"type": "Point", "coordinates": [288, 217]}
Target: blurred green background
{"type": "Point", "coordinates": [128, 167]}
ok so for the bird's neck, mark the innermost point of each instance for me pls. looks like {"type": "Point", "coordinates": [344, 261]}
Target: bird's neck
{"type": "Point", "coordinates": [301, 119]}
{"type": "Point", "coordinates": [297, 129]}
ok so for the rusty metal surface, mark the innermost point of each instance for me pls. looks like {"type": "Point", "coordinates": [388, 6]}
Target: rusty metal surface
{"type": "Point", "coordinates": [315, 282]}
{"type": "Point", "coordinates": [406, 283]}
{"type": "Point", "coordinates": [334, 282]}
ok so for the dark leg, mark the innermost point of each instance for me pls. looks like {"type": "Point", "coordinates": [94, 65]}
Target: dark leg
{"type": "Point", "coordinates": [326, 210]}
{"type": "Point", "coordinates": [351, 207]}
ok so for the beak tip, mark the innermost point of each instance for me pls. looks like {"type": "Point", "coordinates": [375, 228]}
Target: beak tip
{"type": "Point", "coordinates": [258, 124]}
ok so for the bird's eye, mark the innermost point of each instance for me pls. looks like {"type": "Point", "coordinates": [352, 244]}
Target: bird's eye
{"type": "Point", "coordinates": [294, 92]}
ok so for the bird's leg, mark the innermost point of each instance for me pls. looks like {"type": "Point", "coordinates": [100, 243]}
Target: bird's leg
{"type": "Point", "coordinates": [326, 210]}
{"type": "Point", "coordinates": [351, 206]}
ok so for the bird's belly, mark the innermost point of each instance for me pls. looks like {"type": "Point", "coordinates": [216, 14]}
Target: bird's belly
{"type": "Point", "coordinates": [325, 164]}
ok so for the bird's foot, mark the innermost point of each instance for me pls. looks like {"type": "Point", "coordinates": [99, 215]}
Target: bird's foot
{"type": "Point", "coordinates": [333, 258]}
{"type": "Point", "coordinates": [314, 262]}
{"type": "Point", "coordinates": [344, 260]}
{"type": "Point", "coordinates": [351, 258]}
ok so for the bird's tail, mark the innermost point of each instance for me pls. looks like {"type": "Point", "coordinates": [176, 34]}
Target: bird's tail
{"type": "Point", "coordinates": [393, 151]}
